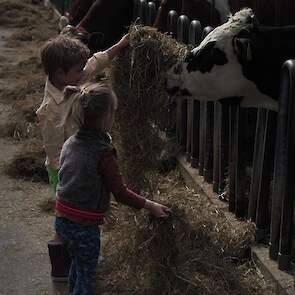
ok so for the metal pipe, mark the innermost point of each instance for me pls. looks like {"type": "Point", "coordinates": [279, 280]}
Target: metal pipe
{"type": "Point", "coordinates": [151, 12]}
{"type": "Point", "coordinates": [182, 29]}
{"type": "Point", "coordinates": [172, 22]}
{"type": "Point", "coordinates": [287, 146]}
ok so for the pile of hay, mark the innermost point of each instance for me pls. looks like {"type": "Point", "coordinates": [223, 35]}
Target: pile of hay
{"type": "Point", "coordinates": [29, 163]}
{"type": "Point", "coordinates": [195, 251]}
{"type": "Point", "coordinates": [139, 75]}
{"type": "Point", "coordinates": [23, 82]}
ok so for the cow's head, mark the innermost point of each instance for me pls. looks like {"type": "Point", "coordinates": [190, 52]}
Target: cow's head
{"type": "Point", "coordinates": [213, 71]}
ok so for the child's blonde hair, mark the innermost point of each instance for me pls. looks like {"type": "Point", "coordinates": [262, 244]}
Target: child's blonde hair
{"type": "Point", "coordinates": [90, 105]}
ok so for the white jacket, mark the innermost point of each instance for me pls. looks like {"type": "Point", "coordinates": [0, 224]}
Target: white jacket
{"type": "Point", "coordinates": [52, 110]}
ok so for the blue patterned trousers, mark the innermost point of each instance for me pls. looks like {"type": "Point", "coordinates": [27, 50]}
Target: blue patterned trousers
{"type": "Point", "coordinates": [83, 244]}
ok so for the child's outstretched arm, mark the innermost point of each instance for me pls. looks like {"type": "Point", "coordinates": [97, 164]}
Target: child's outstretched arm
{"type": "Point", "coordinates": [100, 60]}
{"type": "Point", "coordinates": [115, 183]}
{"type": "Point", "coordinates": [116, 48]}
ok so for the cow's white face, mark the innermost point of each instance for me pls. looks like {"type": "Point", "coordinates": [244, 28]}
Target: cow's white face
{"type": "Point", "coordinates": [212, 71]}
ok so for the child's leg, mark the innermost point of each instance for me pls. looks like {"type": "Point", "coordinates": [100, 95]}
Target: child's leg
{"type": "Point", "coordinates": [73, 274]}
{"type": "Point", "coordinates": [83, 244]}
{"type": "Point", "coordinates": [52, 179]}
{"type": "Point", "coordinates": [86, 263]}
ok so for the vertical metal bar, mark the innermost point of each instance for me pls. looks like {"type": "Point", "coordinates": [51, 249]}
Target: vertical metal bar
{"type": "Point", "coordinates": [142, 11]}
{"type": "Point", "coordinates": [282, 199]}
{"type": "Point", "coordinates": [216, 146]}
{"type": "Point", "coordinates": [183, 28]}
{"type": "Point", "coordinates": [242, 178]}
{"type": "Point", "coordinates": [224, 147]}
{"type": "Point", "coordinates": [286, 113]}
{"type": "Point", "coordinates": [278, 190]}
{"type": "Point", "coordinates": [189, 128]}
{"type": "Point", "coordinates": [178, 120]}
{"type": "Point", "coordinates": [233, 155]}
{"type": "Point", "coordinates": [172, 23]}
{"type": "Point", "coordinates": [183, 120]}
{"type": "Point", "coordinates": [151, 12]}
{"type": "Point", "coordinates": [257, 162]}
{"type": "Point", "coordinates": [262, 210]}
{"type": "Point", "coordinates": [195, 134]}
{"type": "Point", "coordinates": [182, 36]}
{"type": "Point", "coordinates": [203, 127]}
{"type": "Point", "coordinates": [195, 33]}
{"type": "Point", "coordinates": [194, 38]}
{"type": "Point", "coordinates": [208, 161]}
{"type": "Point", "coordinates": [203, 107]}
{"type": "Point", "coordinates": [239, 173]}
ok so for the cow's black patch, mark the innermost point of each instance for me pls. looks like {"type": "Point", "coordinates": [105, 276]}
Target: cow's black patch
{"type": "Point", "coordinates": [205, 59]}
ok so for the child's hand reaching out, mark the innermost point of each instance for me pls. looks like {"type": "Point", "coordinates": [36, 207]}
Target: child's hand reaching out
{"type": "Point", "coordinates": [156, 209]}
{"type": "Point", "coordinates": [115, 49]}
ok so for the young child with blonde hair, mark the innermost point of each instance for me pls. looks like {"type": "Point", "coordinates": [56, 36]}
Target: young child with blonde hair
{"type": "Point", "coordinates": [88, 173]}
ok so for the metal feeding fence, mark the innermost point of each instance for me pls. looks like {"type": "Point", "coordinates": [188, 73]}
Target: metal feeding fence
{"type": "Point", "coordinates": [247, 154]}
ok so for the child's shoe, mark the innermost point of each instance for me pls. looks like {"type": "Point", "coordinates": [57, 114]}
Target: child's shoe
{"type": "Point", "coordinates": [60, 261]}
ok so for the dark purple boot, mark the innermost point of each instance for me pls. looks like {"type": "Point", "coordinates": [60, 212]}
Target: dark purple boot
{"type": "Point", "coordinates": [60, 261]}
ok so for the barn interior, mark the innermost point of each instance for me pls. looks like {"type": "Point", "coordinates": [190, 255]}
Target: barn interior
{"type": "Point", "coordinates": [199, 249]}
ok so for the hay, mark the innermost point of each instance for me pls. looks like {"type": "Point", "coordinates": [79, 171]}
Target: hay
{"type": "Point", "coordinates": [22, 14]}
{"type": "Point", "coordinates": [139, 76]}
{"type": "Point", "coordinates": [47, 205]}
{"type": "Point", "coordinates": [195, 251]}
{"type": "Point", "coordinates": [29, 164]}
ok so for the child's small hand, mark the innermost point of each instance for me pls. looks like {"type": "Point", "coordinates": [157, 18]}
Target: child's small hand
{"type": "Point", "coordinates": [156, 209]}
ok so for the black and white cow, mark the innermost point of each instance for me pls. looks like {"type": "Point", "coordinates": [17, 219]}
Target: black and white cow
{"type": "Point", "coordinates": [238, 61]}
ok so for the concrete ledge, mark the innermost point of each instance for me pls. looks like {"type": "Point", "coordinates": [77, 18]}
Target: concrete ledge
{"type": "Point", "coordinates": [282, 281]}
